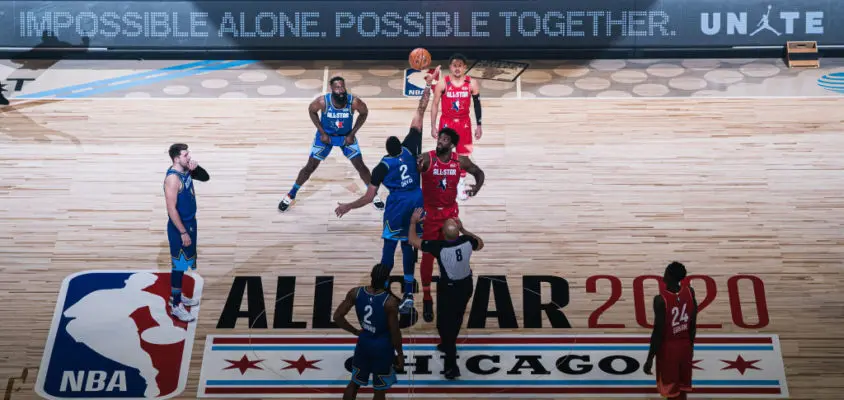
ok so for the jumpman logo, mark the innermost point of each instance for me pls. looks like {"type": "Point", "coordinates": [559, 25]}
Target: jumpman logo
{"type": "Point", "coordinates": [91, 317]}
{"type": "Point", "coordinates": [764, 23]}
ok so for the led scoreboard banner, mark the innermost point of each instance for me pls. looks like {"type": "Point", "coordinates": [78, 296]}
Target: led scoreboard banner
{"type": "Point", "coordinates": [374, 24]}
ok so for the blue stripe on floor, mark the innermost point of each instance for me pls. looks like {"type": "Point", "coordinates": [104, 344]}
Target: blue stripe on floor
{"type": "Point", "coordinates": [177, 75]}
{"type": "Point", "coordinates": [70, 89]}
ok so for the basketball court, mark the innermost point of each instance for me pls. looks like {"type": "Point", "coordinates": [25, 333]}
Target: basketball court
{"type": "Point", "coordinates": [598, 174]}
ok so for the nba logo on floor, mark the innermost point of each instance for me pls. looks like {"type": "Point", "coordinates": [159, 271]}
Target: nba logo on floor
{"type": "Point", "coordinates": [112, 337]}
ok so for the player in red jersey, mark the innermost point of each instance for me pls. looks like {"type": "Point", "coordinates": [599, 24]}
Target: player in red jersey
{"type": "Point", "coordinates": [454, 91]}
{"type": "Point", "coordinates": [673, 337]}
{"type": "Point", "coordinates": [441, 170]}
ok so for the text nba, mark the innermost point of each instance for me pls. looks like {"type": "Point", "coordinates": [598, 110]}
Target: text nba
{"type": "Point", "coordinates": [93, 381]}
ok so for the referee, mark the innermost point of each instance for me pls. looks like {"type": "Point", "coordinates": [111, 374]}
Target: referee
{"type": "Point", "coordinates": [456, 286]}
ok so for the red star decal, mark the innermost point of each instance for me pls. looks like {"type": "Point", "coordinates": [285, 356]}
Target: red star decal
{"type": "Point", "coordinates": [741, 365]}
{"type": "Point", "coordinates": [694, 365]}
{"type": "Point", "coordinates": [301, 364]}
{"type": "Point", "coordinates": [243, 364]}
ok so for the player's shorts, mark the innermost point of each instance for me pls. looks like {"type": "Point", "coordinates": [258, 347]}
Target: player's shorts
{"type": "Point", "coordinates": [463, 127]}
{"type": "Point", "coordinates": [674, 368]}
{"type": "Point", "coordinates": [376, 360]}
{"type": "Point", "coordinates": [320, 150]}
{"type": "Point", "coordinates": [435, 217]}
{"type": "Point", "coordinates": [182, 258]}
{"type": "Point", "coordinates": [397, 213]}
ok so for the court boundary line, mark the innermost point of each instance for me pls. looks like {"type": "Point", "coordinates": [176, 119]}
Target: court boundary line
{"type": "Point", "coordinates": [20, 101]}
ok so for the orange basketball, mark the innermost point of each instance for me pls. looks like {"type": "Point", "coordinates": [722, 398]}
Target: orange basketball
{"type": "Point", "coordinates": [419, 58]}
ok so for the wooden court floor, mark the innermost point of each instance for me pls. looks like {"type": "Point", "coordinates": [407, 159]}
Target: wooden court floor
{"type": "Point", "coordinates": [575, 189]}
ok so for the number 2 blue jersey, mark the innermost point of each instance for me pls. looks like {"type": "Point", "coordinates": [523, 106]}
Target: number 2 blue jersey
{"type": "Point", "coordinates": [372, 316]}
{"type": "Point", "coordinates": [402, 175]}
{"type": "Point", "coordinates": [337, 121]}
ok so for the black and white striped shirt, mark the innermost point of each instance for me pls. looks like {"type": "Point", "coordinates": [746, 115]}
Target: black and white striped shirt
{"type": "Point", "coordinates": [452, 256]}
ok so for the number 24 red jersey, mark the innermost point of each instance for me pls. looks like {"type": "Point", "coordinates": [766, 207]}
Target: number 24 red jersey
{"type": "Point", "coordinates": [679, 308]}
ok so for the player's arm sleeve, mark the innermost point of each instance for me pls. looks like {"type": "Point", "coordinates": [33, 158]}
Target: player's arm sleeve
{"type": "Point", "coordinates": [475, 242]}
{"type": "Point", "coordinates": [476, 101]}
{"type": "Point", "coordinates": [413, 141]}
{"type": "Point", "coordinates": [200, 174]}
{"type": "Point", "coordinates": [378, 174]}
{"type": "Point", "coordinates": [431, 246]}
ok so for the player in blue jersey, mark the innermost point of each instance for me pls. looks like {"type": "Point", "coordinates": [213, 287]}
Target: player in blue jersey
{"type": "Point", "coordinates": [398, 171]}
{"type": "Point", "coordinates": [181, 225]}
{"type": "Point", "coordinates": [334, 128]}
{"type": "Point", "coordinates": [379, 349]}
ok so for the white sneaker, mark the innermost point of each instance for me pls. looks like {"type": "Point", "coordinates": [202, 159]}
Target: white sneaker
{"type": "Point", "coordinates": [182, 314]}
{"type": "Point", "coordinates": [188, 302]}
{"type": "Point", "coordinates": [461, 190]}
{"type": "Point", "coordinates": [285, 203]}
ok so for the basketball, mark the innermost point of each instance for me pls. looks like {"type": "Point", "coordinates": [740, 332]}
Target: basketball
{"type": "Point", "coordinates": [419, 58]}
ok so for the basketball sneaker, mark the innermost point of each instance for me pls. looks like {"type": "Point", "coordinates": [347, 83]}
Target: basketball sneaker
{"type": "Point", "coordinates": [379, 205]}
{"type": "Point", "coordinates": [428, 310]}
{"type": "Point", "coordinates": [285, 203]}
{"type": "Point", "coordinates": [182, 314]}
{"type": "Point", "coordinates": [406, 304]}
{"type": "Point", "coordinates": [188, 302]}
{"type": "Point", "coordinates": [452, 373]}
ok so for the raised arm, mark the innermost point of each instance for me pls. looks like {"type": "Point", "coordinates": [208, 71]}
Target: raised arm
{"type": "Point", "coordinates": [480, 242]}
{"type": "Point", "coordinates": [475, 171]}
{"type": "Point", "coordinates": [435, 107]}
{"type": "Point", "coordinates": [423, 162]}
{"type": "Point", "coordinates": [423, 102]}
{"type": "Point", "coordinates": [412, 237]}
{"type": "Point", "coordinates": [199, 173]}
{"type": "Point", "coordinates": [343, 309]}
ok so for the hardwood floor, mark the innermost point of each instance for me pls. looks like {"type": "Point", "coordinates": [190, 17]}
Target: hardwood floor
{"type": "Point", "coordinates": [573, 189]}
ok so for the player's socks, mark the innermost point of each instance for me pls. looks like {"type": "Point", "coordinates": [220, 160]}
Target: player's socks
{"type": "Point", "coordinates": [426, 270]}
{"type": "Point", "coordinates": [176, 287]}
{"type": "Point", "coordinates": [175, 296]}
{"type": "Point", "coordinates": [294, 190]}
{"type": "Point", "coordinates": [408, 259]}
{"type": "Point", "coordinates": [408, 264]}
